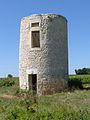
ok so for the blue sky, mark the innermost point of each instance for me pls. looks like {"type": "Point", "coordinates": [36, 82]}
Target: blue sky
{"type": "Point", "coordinates": [77, 13]}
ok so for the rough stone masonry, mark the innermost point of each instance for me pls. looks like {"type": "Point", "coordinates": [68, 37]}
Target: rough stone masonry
{"type": "Point", "coordinates": [43, 55]}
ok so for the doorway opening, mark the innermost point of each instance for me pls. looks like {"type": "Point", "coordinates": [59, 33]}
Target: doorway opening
{"type": "Point", "coordinates": [32, 79]}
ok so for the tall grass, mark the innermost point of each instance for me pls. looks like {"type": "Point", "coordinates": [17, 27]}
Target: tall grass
{"type": "Point", "coordinates": [61, 106]}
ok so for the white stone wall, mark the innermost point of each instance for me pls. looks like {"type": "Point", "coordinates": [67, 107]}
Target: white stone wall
{"type": "Point", "coordinates": [50, 61]}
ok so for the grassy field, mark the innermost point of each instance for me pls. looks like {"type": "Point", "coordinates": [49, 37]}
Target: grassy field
{"type": "Point", "coordinates": [61, 106]}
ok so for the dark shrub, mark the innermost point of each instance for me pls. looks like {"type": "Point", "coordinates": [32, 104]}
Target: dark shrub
{"type": "Point", "coordinates": [10, 76]}
{"type": "Point", "coordinates": [82, 71]}
{"type": "Point", "coordinates": [75, 83]}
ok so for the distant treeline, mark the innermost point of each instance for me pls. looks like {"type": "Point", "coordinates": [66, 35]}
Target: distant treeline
{"type": "Point", "coordinates": [82, 71]}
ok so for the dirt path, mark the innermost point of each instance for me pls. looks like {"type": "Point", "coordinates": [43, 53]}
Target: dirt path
{"type": "Point", "coordinates": [8, 96]}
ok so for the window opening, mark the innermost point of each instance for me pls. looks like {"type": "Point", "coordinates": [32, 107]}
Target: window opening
{"type": "Point", "coordinates": [35, 24]}
{"type": "Point", "coordinates": [35, 39]}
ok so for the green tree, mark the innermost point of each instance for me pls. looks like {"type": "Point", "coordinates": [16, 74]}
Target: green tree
{"type": "Point", "coordinates": [10, 76]}
{"type": "Point", "coordinates": [82, 71]}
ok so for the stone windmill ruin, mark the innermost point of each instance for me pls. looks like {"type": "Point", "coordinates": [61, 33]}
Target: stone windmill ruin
{"type": "Point", "coordinates": [43, 56]}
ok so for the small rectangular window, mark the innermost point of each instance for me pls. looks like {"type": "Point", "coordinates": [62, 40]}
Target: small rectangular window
{"type": "Point", "coordinates": [35, 39]}
{"type": "Point", "coordinates": [35, 24]}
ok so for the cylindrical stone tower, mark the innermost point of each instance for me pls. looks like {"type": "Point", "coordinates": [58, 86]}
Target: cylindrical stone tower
{"type": "Point", "coordinates": [43, 57]}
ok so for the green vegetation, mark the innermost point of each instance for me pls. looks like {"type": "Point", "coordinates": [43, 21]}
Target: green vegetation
{"type": "Point", "coordinates": [10, 76]}
{"type": "Point", "coordinates": [82, 71]}
{"type": "Point", "coordinates": [80, 80]}
{"type": "Point", "coordinates": [7, 81]}
{"type": "Point", "coordinates": [61, 106]}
